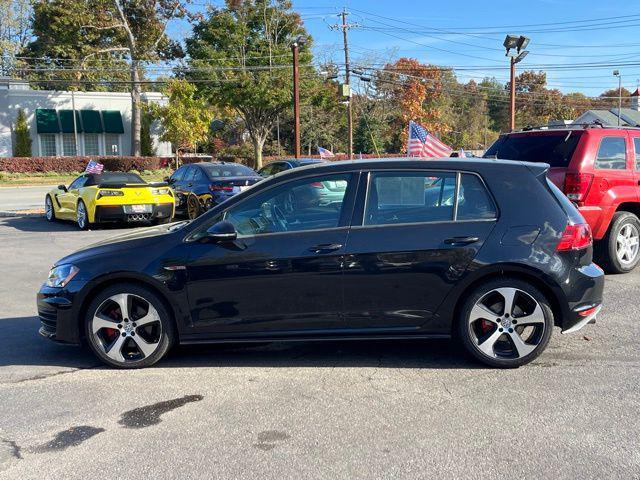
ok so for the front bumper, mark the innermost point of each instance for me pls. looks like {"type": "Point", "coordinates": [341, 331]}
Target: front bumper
{"type": "Point", "coordinates": [116, 213]}
{"type": "Point", "coordinates": [58, 314]}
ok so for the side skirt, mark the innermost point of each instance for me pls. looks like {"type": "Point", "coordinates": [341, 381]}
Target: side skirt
{"type": "Point", "coordinates": [197, 339]}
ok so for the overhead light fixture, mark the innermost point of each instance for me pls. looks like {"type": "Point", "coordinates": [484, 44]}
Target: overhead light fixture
{"type": "Point", "coordinates": [515, 42]}
{"type": "Point", "coordinates": [520, 56]}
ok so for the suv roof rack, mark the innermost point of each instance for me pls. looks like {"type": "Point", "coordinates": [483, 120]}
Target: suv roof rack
{"type": "Point", "coordinates": [576, 126]}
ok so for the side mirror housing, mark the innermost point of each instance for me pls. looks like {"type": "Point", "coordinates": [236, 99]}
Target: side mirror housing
{"type": "Point", "coordinates": [169, 180]}
{"type": "Point", "coordinates": [222, 231]}
{"type": "Point", "coordinates": [62, 187]}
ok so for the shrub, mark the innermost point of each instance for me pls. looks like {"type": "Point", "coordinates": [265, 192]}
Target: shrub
{"type": "Point", "coordinates": [22, 147]}
{"type": "Point", "coordinates": [78, 164]}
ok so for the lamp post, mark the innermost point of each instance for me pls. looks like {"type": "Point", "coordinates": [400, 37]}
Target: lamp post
{"type": "Point", "coordinates": [519, 43]}
{"type": "Point", "coordinates": [296, 93]}
{"type": "Point", "coordinates": [616, 73]}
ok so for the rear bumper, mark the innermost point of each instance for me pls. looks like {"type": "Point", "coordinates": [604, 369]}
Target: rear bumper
{"type": "Point", "coordinates": [116, 213]}
{"type": "Point", "coordinates": [583, 289]}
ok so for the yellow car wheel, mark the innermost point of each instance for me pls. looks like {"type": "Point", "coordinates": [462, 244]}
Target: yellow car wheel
{"type": "Point", "coordinates": [82, 216]}
{"type": "Point", "coordinates": [49, 212]}
{"type": "Point", "coordinates": [193, 207]}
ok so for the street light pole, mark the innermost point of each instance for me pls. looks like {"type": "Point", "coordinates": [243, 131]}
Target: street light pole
{"type": "Point", "coordinates": [296, 95]}
{"type": "Point", "coordinates": [617, 74]}
{"type": "Point", "coordinates": [518, 43]}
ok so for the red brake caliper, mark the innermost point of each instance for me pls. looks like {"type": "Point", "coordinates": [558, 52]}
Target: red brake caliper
{"type": "Point", "coordinates": [486, 326]}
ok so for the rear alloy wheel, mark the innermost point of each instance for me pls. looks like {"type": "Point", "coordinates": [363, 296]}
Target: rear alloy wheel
{"type": "Point", "coordinates": [622, 243]}
{"type": "Point", "coordinates": [82, 217]}
{"type": "Point", "coordinates": [128, 326]}
{"type": "Point", "coordinates": [49, 212]}
{"type": "Point", "coordinates": [193, 207]}
{"type": "Point", "coordinates": [506, 323]}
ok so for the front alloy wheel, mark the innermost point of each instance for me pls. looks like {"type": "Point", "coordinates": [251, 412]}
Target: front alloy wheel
{"type": "Point", "coordinates": [506, 323]}
{"type": "Point", "coordinates": [82, 218]}
{"type": "Point", "coordinates": [48, 209]}
{"type": "Point", "coordinates": [128, 327]}
{"type": "Point", "coordinates": [193, 207]}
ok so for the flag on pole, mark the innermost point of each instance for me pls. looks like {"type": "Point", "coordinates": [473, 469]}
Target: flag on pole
{"type": "Point", "coordinates": [94, 167]}
{"type": "Point", "coordinates": [423, 144]}
{"type": "Point", "coordinates": [324, 153]}
{"type": "Point", "coordinates": [462, 154]}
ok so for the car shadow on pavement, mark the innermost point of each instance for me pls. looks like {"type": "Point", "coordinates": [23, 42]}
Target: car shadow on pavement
{"type": "Point", "coordinates": [40, 224]}
{"type": "Point", "coordinates": [21, 345]}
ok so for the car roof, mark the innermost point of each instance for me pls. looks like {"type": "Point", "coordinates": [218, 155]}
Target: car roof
{"type": "Point", "coordinates": [474, 164]}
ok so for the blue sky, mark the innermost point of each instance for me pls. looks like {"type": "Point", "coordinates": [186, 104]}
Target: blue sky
{"type": "Point", "coordinates": [469, 34]}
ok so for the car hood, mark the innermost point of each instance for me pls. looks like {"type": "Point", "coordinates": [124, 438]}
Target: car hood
{"type": "Point", "coordinates": [149, 236]}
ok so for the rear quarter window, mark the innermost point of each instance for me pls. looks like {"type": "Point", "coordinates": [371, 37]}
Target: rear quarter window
{"type": "Point", "coordinates": [612, 154]}
{"type": "Point", "coordinates": [555, 148]}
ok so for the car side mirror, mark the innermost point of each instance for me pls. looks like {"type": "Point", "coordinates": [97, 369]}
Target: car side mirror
{"type": "Point", "coordinates": [169, 180]}
{"type": "Point", "coordinates": [222, 231]}
{"type": "Point", "coordinates": [62, 187]}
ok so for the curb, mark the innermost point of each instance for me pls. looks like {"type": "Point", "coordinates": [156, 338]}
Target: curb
{"type": "Point", "coordinates": [8, 214]}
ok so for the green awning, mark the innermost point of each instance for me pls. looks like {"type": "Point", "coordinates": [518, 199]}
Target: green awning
{"type": "Point", "coordinates": [66, 121]}
{"type": "Point", "coordinates": [112, 121]}
{"type": "Point", "coordinates": [47, 121]}
{"type": "Point", "coordinates": [91, 121]}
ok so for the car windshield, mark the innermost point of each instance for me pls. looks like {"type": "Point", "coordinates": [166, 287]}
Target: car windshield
{"type": "Point", "coordinates": [554, 148]}
{"type": "Point", "coordinates": [117, 177]}
{"type": "Point", "coordinates": [228, 170]}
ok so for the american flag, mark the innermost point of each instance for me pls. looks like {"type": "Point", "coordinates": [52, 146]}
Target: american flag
{"type": "Point", "coordinates": [94, 167]}
{"type": "Point", "coordinates": [423, 144]}
{"type": "Point", "coordinates": [324, 153]}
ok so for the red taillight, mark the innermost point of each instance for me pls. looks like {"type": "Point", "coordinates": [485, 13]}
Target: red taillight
{"type": "Point", "coordinates": [576, 186]}
{"type": "Point", "coordinates": [575, 237]}
{"type": "Point", "coordinates": [217, 188]}
{"type": "Point", "coordinates": [317, 185]}
{"type": "Point", "coordinates": [588, 311]}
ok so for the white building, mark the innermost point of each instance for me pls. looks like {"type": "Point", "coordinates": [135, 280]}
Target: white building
{"type": "Point", "coordinates": [102, 126]}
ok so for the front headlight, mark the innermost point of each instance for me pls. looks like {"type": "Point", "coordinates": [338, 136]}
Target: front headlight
{"type": "Point", "coordinates": [161, 191]}
{"type": "Point", "coordinates": [110, 193]}
{"type": "Point", "coordinates": [61, 275]}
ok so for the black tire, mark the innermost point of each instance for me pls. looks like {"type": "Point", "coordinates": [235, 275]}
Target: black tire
{"type": "Point", "coordinates": [82, 225]}
{"type": "Point", "coordinates": [193, 207]}
{"type": "Point", "coordinates": [50, 215]}
{"type": "Point", "coordinates": [165, 334]}
{"type": "Point", "coordinates": [541, 331]}
{"type": "Point", "coordinates": [608, 246]}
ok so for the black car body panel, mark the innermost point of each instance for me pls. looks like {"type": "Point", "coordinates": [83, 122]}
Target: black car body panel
{"type": "Point", "coordinates": [383, 281]}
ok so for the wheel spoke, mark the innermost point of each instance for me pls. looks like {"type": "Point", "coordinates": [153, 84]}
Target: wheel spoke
{"type": "Point", "coordinates": [151, 317]}
{"type": "Point", "coordinates": [479, 311]}
{"type": "Point", "coordinates": [115, 349]}
{"type": "Point", "coordinates": [522, 348]}
{"type": "Point", "coordinates": [509, 295]}
{"type": "Point", "coordinates": [486, 346]}
{"type": "Point", "coordinates": [100, 321]}
{"type": "Point", "coordinates": [145, 347]}
{"type": "Point", "coordinates": [122, 300]}
{"type": "Point", "coordinates": [536, 317]}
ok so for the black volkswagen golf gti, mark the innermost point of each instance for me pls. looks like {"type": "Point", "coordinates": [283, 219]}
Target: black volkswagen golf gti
{"type": "Point", "coordinates": [487, 251]}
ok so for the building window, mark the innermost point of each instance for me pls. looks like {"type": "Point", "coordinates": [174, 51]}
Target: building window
{"type": "Point", "coordinates": [111, 144]}
{"type": "Point", "coordinates": [69, 145]}
{"type": "Point", "coordinates": [48, 145]}
{"type": "Point", "coordinates": [91, 146]}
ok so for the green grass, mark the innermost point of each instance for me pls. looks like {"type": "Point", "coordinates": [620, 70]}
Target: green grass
{"type": "Point", "coordinates": [56, 178]}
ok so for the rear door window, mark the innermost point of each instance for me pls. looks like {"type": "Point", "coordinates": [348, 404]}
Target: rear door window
{"type": "Point", "coordinates": [612, 154]}
{"type": "Point", "coordinates": [555, 148]}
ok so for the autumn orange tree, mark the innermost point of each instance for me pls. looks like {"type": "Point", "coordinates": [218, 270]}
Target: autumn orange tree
{"type": "Point", "coordinates": [414, 89]}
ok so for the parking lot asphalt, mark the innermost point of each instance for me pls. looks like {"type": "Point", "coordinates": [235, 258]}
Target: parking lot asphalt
{"type": "Point", "coordinates": [305, 410]}
{"type": "Point", "coordinates": [23, 198]}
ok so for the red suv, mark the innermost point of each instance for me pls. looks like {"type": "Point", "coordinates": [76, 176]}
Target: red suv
{"type": "Point", "coordinates": [598, 168]}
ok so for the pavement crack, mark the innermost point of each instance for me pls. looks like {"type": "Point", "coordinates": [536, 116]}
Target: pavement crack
{"type": "Point", "coordinates": [53, 374]}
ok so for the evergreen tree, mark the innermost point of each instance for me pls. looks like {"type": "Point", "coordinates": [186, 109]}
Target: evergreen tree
{"type": "Point", "coordinates": [22, 147]}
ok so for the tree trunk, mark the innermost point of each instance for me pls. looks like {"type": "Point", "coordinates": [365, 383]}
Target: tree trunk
{"type": "Point", "coordinates": [136, 123]}
{"type": "Point", "coordinates": [258, 143]}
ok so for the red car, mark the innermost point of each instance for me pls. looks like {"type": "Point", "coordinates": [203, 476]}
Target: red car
{"type": "Point", "coordinates": [598, 168]}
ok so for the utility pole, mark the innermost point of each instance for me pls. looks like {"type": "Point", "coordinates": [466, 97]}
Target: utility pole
{"type": "Point", "coordinates": [517, 43]}
{"type": "Point", "coordinates": [344, 27]}
{"type": "Point", "coordinates": [616, 73]}
{"type": "Point", "coordinates": [296, 97]}
{"type": "Point", "coordinates": [512, 96]}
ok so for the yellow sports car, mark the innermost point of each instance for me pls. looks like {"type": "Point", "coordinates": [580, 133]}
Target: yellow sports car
{"type": "Point", "coordinates": [110, 197]}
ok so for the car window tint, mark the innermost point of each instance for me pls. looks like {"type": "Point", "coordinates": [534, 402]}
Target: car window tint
{"type": "Point", "coordinates": [228, 170]}
{"type": "Point", "coordinates": [178, 174]}
{"type": "Point", "coordinates": [474, 201]}
{"type": "Point", "coordinates": [188, 176]}
{"type": "Point", "coordinates": [198, 175]}
{"type": "Point", "coordinates": [612, 154]}
{"type": "Point", "coordinates": [266, 171]}
{"type": "Point", "coordinates": [410, 197]}
{"type": "Point", "coordinates": [279, 167]}
{"type": "Point", "coordinates": [78, 182]}
{"type": "Point", "coordinates": [636, 147]}
{"type": "Point", "coordinates": [554, 148]}
{"type": "Point", "coordinates": [307, 204]}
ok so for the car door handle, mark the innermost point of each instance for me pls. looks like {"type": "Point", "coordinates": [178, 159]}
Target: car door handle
{"type": "Point", "coordinates": [325, 247]}
{"type": "Point", "coordinates": [461, 240]}
{"type": "Point", "coordinates": [190, 185]}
